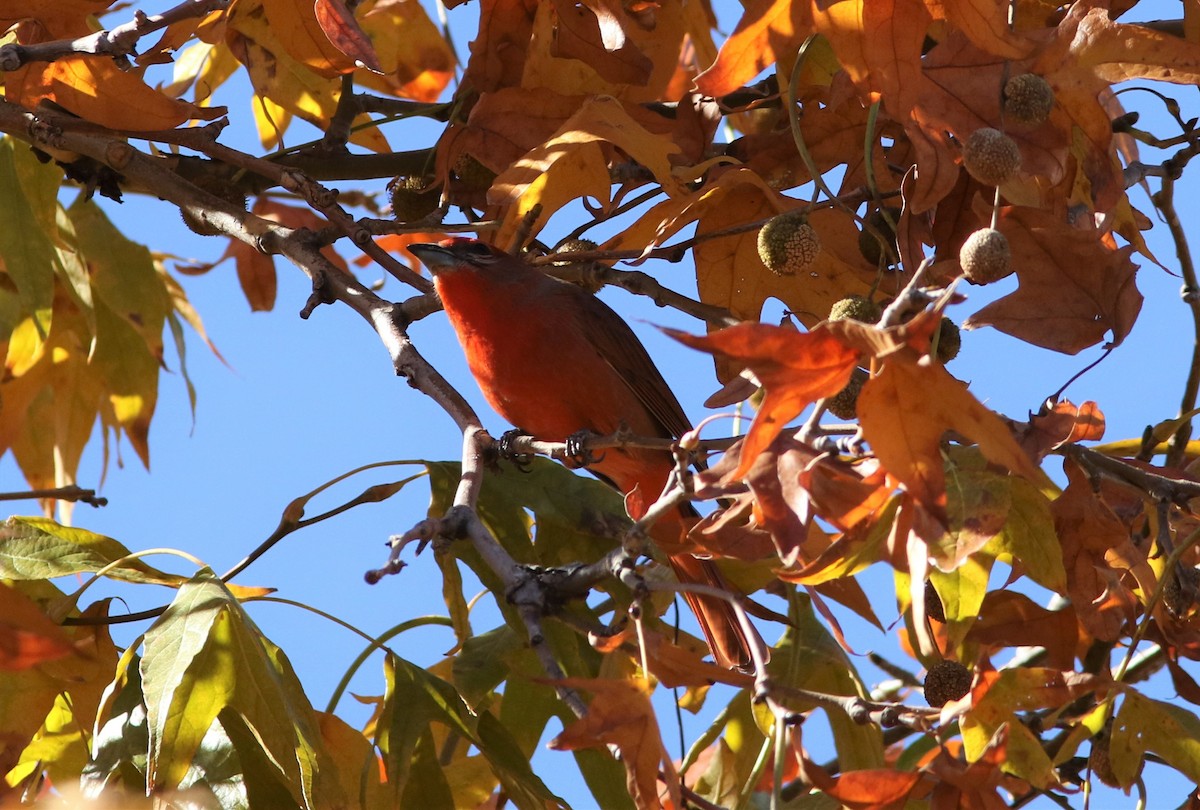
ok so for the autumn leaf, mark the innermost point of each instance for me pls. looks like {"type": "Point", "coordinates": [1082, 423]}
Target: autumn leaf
{"type": "Point", "coordinates": [27, 635]}
{"type": "Point", "coordinates": [415, 59]}
{"type": "Point", "coordinates": [768, 30]}
{"type": "Point", "coordinates": [907, 408]}
{"type": "Point", "coordinates": [344, 33]}
{"type": "Point", "coordinates": [1094, 543]}
{"type": "Point", "coordinates": [574, 163]}
{"type": "Point", "coordinates": [880, 789]}
{"type": "Point", "coordinates": [999, 698]}
{"type": "Point", "coordinates": [1064, 423]}
{"type": "Point", "coordinates": [1010, 619]}
{"type": "Point", "coordinates": [1074, 285]}
{"type": "Point", "coordinates": [795, 368]}
{"type": "Point", "coordinates": [100, 92]}
{"type": "Point", "coordinates": [620, 714]}
{"type": "Point", "coordinates": [499, 51]}
{"type": "Point", "coordinates": [593, 34]}
{"type": "Point", "coordinates": [301, 27]}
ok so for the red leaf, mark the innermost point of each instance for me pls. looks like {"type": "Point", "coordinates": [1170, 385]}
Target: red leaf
{"type": "Point", "coordinates": [344, 32]}
{"type": "Point", "coordinates": [795, 368]}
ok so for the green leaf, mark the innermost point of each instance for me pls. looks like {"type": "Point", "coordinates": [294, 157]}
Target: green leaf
{"type": "Point", "coordinates": [483, 664]}
{"type": "Point", "coordinates": [962, 592]}
{"type": "Point", "coordinates": [1029, 537]}
{"type": "Point", "coordinates": [1145, 724]}
{"type": "Point", "coordinates": [27, 251]}
{"type": "Point", "coordinates": [414, 699]}
{"type": "Point", "coordinates": [808, 657]}
{"type": "Point", "coordinates": [204, 655]}
{"type": "Point", "coordinates": [40, 548]}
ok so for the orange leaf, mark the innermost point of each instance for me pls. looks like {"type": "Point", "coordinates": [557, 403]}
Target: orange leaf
{"type": "Point", "coordinates": [1075, 285]}
{"type": "Point", "coordinates": [344, 33]}
{"type": "Point", "coordinates": [907, 408]}
{"type": "Point", "coordinates": [61, 18]}
{"type": "Point", "coordinates": [417, 61]}
{"type": "Point", "coordinates": [795, 368]}
{"type": "Point", "coordinates": [985, 24]}
{"type": "Point", "coordinates": [102, 93]}
{"type": "Point", "coordinates": [1063, 424]}
{"type": "Point", "coordinates": [767, 30]}
{"type": "Point", "coordinates": [499, 51]}
{"type": "Point", "coordinates": [620, 714]}
{"type": "Point", "coordinates": [27, 636]}
{"type": "Point", "coordinates": [302, 34]}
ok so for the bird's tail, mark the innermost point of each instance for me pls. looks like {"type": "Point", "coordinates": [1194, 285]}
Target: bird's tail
{"type": "Point", "coordinates": [718, 619]}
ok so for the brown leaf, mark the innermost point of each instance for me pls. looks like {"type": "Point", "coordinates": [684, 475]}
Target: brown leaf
{"type": "Point", "coordinates": [879, 44]}
{"type": "Point", "coordinates": [985, 24]}
{"type": "Point", "coordinates": [593, 34]}
{"type": "Point", "coordinates": [880, 789]}
{"type": "Point", "coordinates": [1064, 423]}
{"type": "Point", "coordinates": [960, 91]}
{"type": "Point", "coordinates": [795, 368]}
{"type": "Point", "coordinates": [907, 408]}
{"type": "Point", "coordinates": [345, 34]}
{"type": "Point", "coordinates": [620, 714]}
{"type": "Point", "coordinates": [675, 665]}
{"type": "Point", "coordinates": [1074, 285]}
{"type": "Point", "coordinates": [499, 51]}
{"type": "Point", "coordinates": [1096, 547]}
{"type": "Point", "coordinates": [1011, 619]}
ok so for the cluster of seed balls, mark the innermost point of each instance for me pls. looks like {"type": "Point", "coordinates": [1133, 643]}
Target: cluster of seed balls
{"type": "Point", "coordinates": [992, 158]}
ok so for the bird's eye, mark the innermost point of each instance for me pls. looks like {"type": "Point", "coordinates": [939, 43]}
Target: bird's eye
{"type": "Point", "coordinates": [478, 251]}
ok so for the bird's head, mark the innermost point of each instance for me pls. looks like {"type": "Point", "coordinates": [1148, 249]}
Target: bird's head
{"type": "Point", "coordinates": [457, 253]}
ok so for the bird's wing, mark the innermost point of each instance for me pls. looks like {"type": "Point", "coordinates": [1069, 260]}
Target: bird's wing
{"type": "Point", "coordinates": [621, 349]}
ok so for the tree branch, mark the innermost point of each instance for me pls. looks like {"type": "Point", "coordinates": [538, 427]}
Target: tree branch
{"type": "Point", "coordinates": [118, 42]}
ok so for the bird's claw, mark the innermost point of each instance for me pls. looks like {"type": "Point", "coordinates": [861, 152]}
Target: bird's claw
{"type": "Point", "coordinates": [578, 455]}
{"type": "Point", "coordinates": [522, 461]}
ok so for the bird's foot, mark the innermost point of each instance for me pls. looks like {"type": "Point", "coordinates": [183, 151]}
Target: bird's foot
{"type": "Point", "coordinates": [578, 455]}
{"type": "Point", "coordinates": [522, 461]}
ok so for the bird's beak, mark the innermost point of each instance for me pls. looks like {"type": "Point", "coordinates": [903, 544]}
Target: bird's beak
{"type": "Point", "coordinates": [435, 257]}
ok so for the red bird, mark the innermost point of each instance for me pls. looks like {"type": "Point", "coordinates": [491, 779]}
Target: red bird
{"type": "Point", "coordinates": [553, 360]}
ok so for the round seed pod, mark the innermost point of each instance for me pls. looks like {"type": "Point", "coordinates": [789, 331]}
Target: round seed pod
{"type": "Point", "coordinates": [985, 256]}
{"type": "Point", "coordinates": [990, 156]}
{"type": "Point", "coordinates": [787, 244]}
{"type": "Point", "coordinates": [412, 197]}
{"type": "Point", "coordinates": [1028, 99]}
{"type": "Point", "coordinates": [946, 681]}
{"type": "Point", "coordinates": [856, 308]}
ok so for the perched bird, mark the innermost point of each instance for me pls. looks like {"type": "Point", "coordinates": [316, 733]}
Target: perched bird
{"type": "Point", "coordinates": [554, 360]}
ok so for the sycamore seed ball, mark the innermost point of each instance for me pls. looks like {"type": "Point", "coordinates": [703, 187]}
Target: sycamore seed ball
{"type": "Point", "coordinates": [946, 681]}
{"type": "Point", "coordinates": [1028, 99]}
{"type": "Point", "coordinates": [787, 244]}
{"type": "Point", "coordinates": [949, 340]}
{"type": "Point", "coordinates": [576, 246]}
{"type": "Point", "coordinates": [985, 256]}
{"type": "Point", "coordinates": [885, 225]}
{"type": "Point", "coordinates": [412, 198]}
{"type": "Point", "coordinates": [855, 308]}
{"type": "Point", "coordinates": [844, 404]}
{"type": "Point", "coordinates": [990, 156]}
{"type": "Point", "coordinates": [472, 172]}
